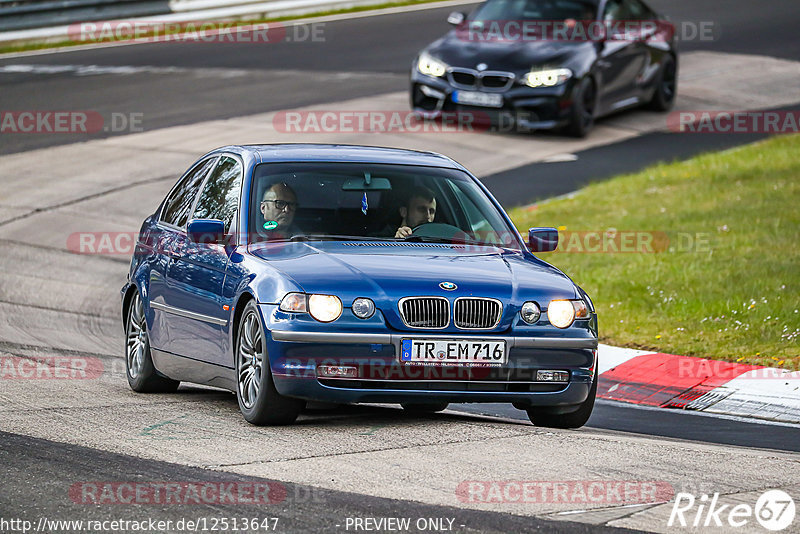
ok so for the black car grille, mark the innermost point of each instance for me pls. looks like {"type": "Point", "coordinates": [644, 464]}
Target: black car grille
{"type": "Point", "coordinates": [495, 82]}
{"type": "Point", "coordinates": [425, 312]}
{"type": "Point", "coordinates": [464, 78]}
{"type": "Point", "coordinates": [477, 313]}
{"type": "Point", "coordinates": [473, 79]}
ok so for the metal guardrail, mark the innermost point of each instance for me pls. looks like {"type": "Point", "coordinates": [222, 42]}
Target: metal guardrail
{"type": "Point", "coordinates": [25, 14]}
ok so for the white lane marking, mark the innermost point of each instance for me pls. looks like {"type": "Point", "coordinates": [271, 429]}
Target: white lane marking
{"type": "Point", "coordinates": [560, 158]}
{"type": "Point", "coordinates": [95, 70]}
{"type": "Point", "coordinates": [609, 357]}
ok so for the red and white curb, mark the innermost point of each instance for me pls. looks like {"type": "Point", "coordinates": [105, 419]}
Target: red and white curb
{"type": "Point", "coordinates": [683, 382]}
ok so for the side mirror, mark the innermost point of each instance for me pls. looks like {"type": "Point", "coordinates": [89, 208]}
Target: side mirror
{"type": "Point", "coordinates": [456, 18]}
{"type": "Point", "coordinates": [543, 239]}
{"type": "Point", "coordinates": [206, 231]}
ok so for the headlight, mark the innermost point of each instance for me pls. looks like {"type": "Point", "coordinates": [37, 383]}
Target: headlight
{"type": "Point", "coordinates": [363, 308]}
{"type": "Point", "coordinates": [324, 308]}
{"type": "Point", "coordinates": [562, 313]}
{"type": "Point", "coordinates": [530, 312]}
{"type": "Point", "coordinates": [431, 66]}
{"type": "Point", "coordinates": [294, 302]}
{"type": "Point", "coordinates": [547, 77]}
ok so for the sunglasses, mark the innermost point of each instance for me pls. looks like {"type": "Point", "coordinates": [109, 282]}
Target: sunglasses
{"type": "Point", "coordinates": [281, 205]}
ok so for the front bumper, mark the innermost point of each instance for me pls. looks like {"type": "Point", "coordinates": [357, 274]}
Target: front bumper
{"type": "Point", "coordinates": [295, 356]}
{"type": "Point", "coordinates": [524, 108]}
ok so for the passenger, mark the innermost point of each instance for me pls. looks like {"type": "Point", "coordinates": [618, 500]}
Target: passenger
{"type": "Point", "coordinates": [278, 207]}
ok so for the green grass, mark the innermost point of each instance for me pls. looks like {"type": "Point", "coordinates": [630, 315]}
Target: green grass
{"type": "Point", "coordinates": [734, 299]}
{"type": "Point", "coordinates": [30, 46]}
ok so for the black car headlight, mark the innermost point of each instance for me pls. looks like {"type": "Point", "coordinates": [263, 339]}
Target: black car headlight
{"type": "Point", "coordinates": [431, 66]}
{"type": "Point", "coordinates": [546, 77]}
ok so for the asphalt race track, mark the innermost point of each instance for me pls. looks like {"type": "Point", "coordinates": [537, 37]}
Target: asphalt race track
{"type": "Point", "coordinates": [337, 463]}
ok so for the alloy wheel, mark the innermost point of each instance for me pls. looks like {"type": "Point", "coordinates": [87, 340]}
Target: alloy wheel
{"type": "Point", "coordinates": [137, 338]}
{"type": "Point", "coordinates": [250, 360]}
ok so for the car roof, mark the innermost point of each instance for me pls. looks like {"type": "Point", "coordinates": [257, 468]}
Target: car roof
{"type": "Point", "coordinates": [341, 153]}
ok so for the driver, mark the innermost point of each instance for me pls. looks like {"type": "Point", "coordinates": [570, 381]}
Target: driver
{"type": "Point", "coordinates": [278, 207]}
{"type": "Point", "coordinates": [419, 208]}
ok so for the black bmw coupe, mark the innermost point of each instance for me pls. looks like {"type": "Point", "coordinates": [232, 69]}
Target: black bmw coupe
{"type": "Point", "coordinates": [548, 64]}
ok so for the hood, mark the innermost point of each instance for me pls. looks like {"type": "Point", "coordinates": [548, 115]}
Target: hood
{"type": "Point", "coordinates": [387, 272]}
{"type": "Point", "coordinates": [516, 56]}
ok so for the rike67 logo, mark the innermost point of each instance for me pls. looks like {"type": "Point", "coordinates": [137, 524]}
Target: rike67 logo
{"type": "Point", "coordinates": [774, 510]}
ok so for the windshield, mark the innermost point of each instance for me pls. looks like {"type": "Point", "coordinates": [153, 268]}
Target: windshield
{"type": "Point", "coordinates": [542, 10]}
{"type": "Point", "coordinates": [348, 201]}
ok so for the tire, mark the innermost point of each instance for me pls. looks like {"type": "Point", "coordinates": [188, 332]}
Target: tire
{"type": "Point", "coordinates": [424, 407]}
{"type": "Point", "coordinates": [139, 368]}
{"type": "Point", "coordinates": [583, 108]}
{"type": "Point", "coordinates": [543, 417]}
{"type": "Point", "coordinates": [666, 87]}
{"type": "Point", "coordinates": [259, 401]}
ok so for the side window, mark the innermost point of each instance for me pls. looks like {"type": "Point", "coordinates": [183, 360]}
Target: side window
{"type": "Point", "coordinates": [613, 11]}
{"type": "Point", "coordinates": [638, 11]}
{"type": "Point", "coordinates": [177, 207]}
{"type": "Point", "coordinates": [220, 196]}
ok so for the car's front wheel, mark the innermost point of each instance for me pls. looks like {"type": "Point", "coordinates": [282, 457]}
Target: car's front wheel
{"type": "Point", "coordinates": [139, 368]}
{"type": "Point", "coordinates": [259, 400]}
{"type": "Point", "coordinates": [666, 87]}
{"type": "Point", "coordinates": [583, 108]}
{"type": "Point", "coordinates": [576, 419]}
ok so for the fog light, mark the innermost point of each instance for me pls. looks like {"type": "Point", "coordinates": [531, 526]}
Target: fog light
{"type": "Point", "coordinates": [552, 376]}
{"type": "Point", "coordinates": [530, 312]}
{"type": "Point", "coordinates": [363, 308]}
{"type": "Point", "coordinates": [337, 371]}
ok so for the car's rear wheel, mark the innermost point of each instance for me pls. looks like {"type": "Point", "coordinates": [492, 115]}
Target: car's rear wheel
{"type": "Point", "coordinates": [426, 407]}
{"type": "Point", "coordinates": [259, 400]}
{"type": "Point", "coordinates": [544, 417]}
{"type": "Point", "coordinates": [583, 108]}
{"type": "Point", "coordinates": [139, 368]}
{"type": "Point", "coordinates": [666, 87]}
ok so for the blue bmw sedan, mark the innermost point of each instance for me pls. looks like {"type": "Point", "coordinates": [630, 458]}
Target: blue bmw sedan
{"type": "Point", "coordinates": [347, 274]}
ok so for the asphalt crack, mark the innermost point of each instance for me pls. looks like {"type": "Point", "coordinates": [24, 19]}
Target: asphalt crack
{"type": "Point", "coordinates": [84, 198]}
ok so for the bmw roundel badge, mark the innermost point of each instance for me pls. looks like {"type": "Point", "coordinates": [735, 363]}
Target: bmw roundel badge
{"type": "Point", "coordinates": [448, 286]}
